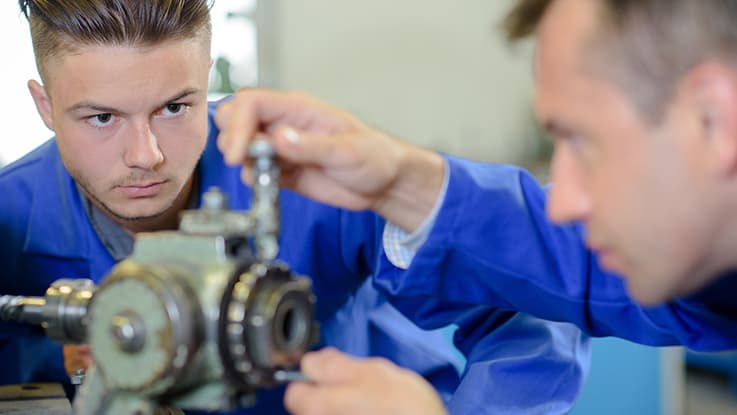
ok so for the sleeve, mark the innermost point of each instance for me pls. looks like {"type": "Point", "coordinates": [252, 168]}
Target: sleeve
{"type": "Point", "coordinates": [518, 365]}
{"type": "Point", "coordinates": [506, 362]}
{"type": "Point", "coordinates": [368, 325]}
{"type": "Point", "coordinates": [492, 245]}
{"type": "Point", "coordinates": [28, 356]}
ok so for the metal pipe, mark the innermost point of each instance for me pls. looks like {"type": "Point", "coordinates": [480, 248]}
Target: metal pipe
{"type": "Point", "coordinates": [19, 309]}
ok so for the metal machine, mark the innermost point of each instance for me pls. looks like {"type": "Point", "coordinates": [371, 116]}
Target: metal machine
{"type": "Point", "coordinates": [197, 318]}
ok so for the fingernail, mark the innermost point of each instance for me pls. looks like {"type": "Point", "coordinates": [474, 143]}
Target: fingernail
{"type": "Point", "coordinates": [291, 135]}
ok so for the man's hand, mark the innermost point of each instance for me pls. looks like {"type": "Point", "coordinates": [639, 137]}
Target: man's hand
{"type": "Point", "coordinates": [76, 357]}
{"type": "Point", "coordinates": [342, 385]}
{"type": "Point", "coordinates": [329, 155]}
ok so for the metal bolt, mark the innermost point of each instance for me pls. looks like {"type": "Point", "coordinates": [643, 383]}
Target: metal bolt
{"type": "Point", "coordinates": [128, 331]}
{"type": "Point", "coordinates": [214, 200]}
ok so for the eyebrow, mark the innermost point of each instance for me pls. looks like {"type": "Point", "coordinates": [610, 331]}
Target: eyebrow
{"type": "Point", "coordinates": [90, 105]}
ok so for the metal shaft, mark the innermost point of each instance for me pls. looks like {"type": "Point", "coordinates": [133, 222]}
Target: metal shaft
{"type": "Point", "coordinates": [27, 310]}
{"type": "Point", "coordinates": [285, 376]}
{"type": "Point", "coordinates": [61, 312]}
{"type": "Point", "coordinates": [265, 199]}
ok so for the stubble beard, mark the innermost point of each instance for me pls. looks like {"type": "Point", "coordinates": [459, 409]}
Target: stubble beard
{"type": "Point", "coordinates": [118, 217]}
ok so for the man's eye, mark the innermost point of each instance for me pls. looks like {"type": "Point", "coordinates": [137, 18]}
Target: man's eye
{"type": "Point", "coordinates": [101, 120]}
{"type": "Point", "coordinates": [173, 109]}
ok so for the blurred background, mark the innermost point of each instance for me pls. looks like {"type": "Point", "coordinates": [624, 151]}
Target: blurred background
{"type": "Point", "coordinates": [431, 72]}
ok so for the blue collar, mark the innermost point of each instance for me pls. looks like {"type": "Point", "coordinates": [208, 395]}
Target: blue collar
{"type": "Point", "coordinates": [56, 207]}
{"type": "Point", "coordinates": [720, 295]}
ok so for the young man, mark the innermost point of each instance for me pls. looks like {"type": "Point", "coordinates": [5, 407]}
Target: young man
{"type": "Point", "coordinates": [125, 92]}
{"type": "Point", "coordinates": [641, 100]}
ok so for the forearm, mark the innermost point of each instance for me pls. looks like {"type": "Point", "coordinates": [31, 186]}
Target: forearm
{"type": "Point", "coordinates": [411, 196]}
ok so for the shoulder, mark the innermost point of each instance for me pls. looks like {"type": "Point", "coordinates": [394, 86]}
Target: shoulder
{"type": "Point", "coordinates": [26, 178]}
{"type": "Point", "coordinates": [28, 166]}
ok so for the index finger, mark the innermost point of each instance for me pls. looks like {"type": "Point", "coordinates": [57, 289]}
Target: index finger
{"type": "Point", "coordinates": [238, 122]}
{"type": "Point", "coordinates": [249, 112]}
{"type": "Point", "coordinates": [258, 110]}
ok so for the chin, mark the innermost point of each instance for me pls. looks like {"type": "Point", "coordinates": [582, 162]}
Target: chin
{"type": "Point", "coordinates": [649, 294]}
{"type": "Point", "coordinates": [132, 215]}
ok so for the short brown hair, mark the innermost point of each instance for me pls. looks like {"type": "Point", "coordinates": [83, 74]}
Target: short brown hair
{"type": "Point", "coordinates": [59, 26]}
{"type": "Point", "coordinates": [650, 44]}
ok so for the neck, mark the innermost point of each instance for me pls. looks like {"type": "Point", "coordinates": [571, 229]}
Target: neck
{"type": "Point", "coordinates": [723, 252]}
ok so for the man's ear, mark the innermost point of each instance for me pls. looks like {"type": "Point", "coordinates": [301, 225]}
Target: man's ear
{"type": "Point", "coordinates": [714, 92]}
{"type": "Point", "coordinates": [43, 104]}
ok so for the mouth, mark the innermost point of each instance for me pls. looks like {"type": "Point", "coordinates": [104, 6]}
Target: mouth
{"type": "Point", "coordinates": [608, 259]}
{"type": "Point", "coordinates": [141, 190]}
{"type": "Point", "coordinates": [606, 256]}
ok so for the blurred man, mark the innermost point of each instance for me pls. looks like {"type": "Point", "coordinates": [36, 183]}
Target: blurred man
{"type": "Point", "coordinates": [640, 99]}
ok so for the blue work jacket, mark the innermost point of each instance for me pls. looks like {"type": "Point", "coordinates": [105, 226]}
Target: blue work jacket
{"type": "Point", "coordinates": [519, 365]}
{"type": "Point", "coordinates": [510, 256]}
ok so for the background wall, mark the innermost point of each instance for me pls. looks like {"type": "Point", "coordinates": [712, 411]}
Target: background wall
{"type": "Point", "coordinates": [628, 378]}
{"type": "Point", "coordinates": [431, 72]}
{"type": "Point", "coordinates": [21, 125]}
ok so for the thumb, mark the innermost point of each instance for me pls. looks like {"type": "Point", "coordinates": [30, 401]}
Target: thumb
{"type": "Point", "coordinates": [329, 366]}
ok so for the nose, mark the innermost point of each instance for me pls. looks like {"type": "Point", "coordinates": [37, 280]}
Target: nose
{"type": "Point", "coordinates": [568, 200]}
{"type": "Point", "coordinates": [142, 150]}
